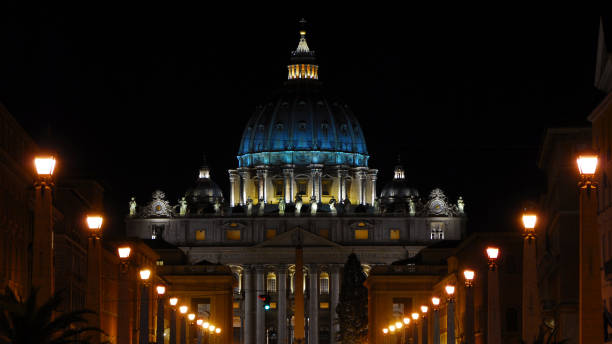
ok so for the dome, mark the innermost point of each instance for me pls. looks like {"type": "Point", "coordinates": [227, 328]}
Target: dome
{"type": "Point", "coordinates": [205, 190]}
{"type": "Point", "coordinates": [301, 125]}
{"type": "Point", "coordinates": [398, 188]}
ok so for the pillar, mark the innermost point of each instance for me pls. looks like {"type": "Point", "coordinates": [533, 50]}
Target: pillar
{"type": "Point", "coordinates": [590, 303]}
{"type": "Point", "coordinates": [234, 186]}
{"type": "Point", "coordinates": [468, 321]}
{"type": "Point", "coordinates": [260, 329]}
{"type": "Point", "coordinates": [281, 308]}
{"type": "Point", "coordinates": [493, 307]}
{"type": "Point", "coordinates": [249, 304]}
{"type": "Point", "coordinates": [450, 321]}
{"type": "Point", "coordinates": [531, 304]}
{"type": "Point", "coordinates": [315, 176]}
{"type": "Point", "coordinates": [372, 177]}
{"type": "Point", "coordinates": [143, 331]}
{"type": "Point", "coordinates": [173, 325]}
{"type": "Point", "coordinates": [313, 311]}
{"type": "Point", "coordinates": [42, 243]}
{"type": "Point", "coordinates": [288, 179]}
{"type": "Point", "coordinates": [262, 176]}
{"type": "Point", "coordinates": [436, 326]}
{"type": "Point", "coordinates": [342, 174]}
{"type": "Point", "coordinates": [159, 336]}
{"type": "Point", "coordinates": [335, 297]}
{"type": "Point", "coordinates": [94, 284]}
{"type": "Point", "coordinates": [361, 180]}
{"type": "Point", "coordinates": [244, 179]}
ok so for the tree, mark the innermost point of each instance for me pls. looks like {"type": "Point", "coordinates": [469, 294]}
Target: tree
{"type": "Point", "coordinates": [352, 309]}
{"type": "Point", "coordinates": [22, 322]}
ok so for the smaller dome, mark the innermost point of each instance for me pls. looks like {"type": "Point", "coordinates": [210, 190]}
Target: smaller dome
{"type": "Point", "coordinates": [205, 190]}
{"type": "Point", "coordinates": [398, 189]}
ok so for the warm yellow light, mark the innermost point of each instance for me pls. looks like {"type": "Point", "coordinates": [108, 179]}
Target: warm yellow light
{"type": "Point", "coordinates": [173, 301]}
{"type": "Point", "coordinates": [44, 165]}
{"type": "Point", "coordinates": [191, 316]}
{"type": "Point", "coordinates": [587, 164]}
{"type": "Point", "coordinates": [424, 309]}
{"type": "Point", "coordinates": [468, 274]}
{"type": "Point", "coordinates": [415, 316]}
{"type": "Point", "coordinates": [435, 301]}
{"type": "Point", "coordinates": [205, 325]}
{"type": "Point", "coordinates": [161, 290]}
{"type": "Point", "coordinates": [124, 252]}
{"type": "Point", "coordinates": [529, 221]}
{"type": "Point", "coordinates": [183, 309]}
{"type": "Point", "coordinates": [398, 325]}
{"type": "Point", "coordinates": [199, 322]}
{"type": "Point", "coordinates": [385, 330]}
{"type": "Point", "coordinates": [492, 252]}
{"type": "Point", "coordinates": [145, 274]}
{"type": "Point", "coordinates": [392, 328]}
{"type": "Point", "coordinates": [217, 330]}
{"type": "Point", "coordinates": [211, 328]}
{"type": "Point", "coordinates": [94, 222]}
{"type": "Point", "coordinates": [450, 289]}
{"type": "Point", "coordinates": [406, 321]}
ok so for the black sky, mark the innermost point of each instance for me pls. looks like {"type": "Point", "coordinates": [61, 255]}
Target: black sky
{"type": "Point", "coordinates": [134, 94]}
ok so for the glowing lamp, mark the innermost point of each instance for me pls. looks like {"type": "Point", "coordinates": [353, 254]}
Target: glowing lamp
{"type": "Point", "coordinates": [183, 309]}
{"type": "Point", "coordinates": [468, 274]}
{"type": "Point", "coordinates": [529, 221]}
{"type": "Point", "coordinates": [415, 316]}
{"type": "Point", "coordinates": [211, 328]}
{"type": "Point", "coordinates": [406, 321]}
{"type": "Point", "coordinates": [205, 325]}
{"type": "Point", "coordinates": [199, 322]}
{"type": "Point", "coordinates": [492, 252]}
{"type": "Point", "coordinates": [391, 328]}
{"type": "Point", "coordinates": [435, 301]}
{"type": "Point", "coordinates": [124, 252]}
{"type": "Point", "coordinates": [161, 290]}
{"type": "Point", "coordinates": [173, 301]}
{"type": "Point", "coordinates": [424, 309]}
{"type": "Point", "coordinates": [191, 316]}
{"type": "Point", "coordinates": [385, 330]}
{"type": "Point", "coordinates": [587, 164]}
{"type": "Point", "coordinates": [44, 165]}
{"type": "Point", "coordinates": [398, 325]}
{"type": "Point", "coordinates": [94, 222]}
{"type": "Point", "coordinates": [145, 274]}
{"type": "Point", "coordinates": [217, 330]}
{"type": "Point", "coordinates": [450, 290]}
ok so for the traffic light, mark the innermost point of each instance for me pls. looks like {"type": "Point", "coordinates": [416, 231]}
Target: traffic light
{"type": "Point", "coordinates": [266, 301]}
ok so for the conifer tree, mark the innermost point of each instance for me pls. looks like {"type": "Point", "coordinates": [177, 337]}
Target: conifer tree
{"type": "Point", "coordinates": [352, 309]}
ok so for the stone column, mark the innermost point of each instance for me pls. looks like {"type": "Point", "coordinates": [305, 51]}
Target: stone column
{"type": "Point", "coordinates": [450, 321]}
{"type": "Point", "coordinates": [493, 307]}
{"type": "Point", "coordinates": [249, 304]}
{"type": "Point", "coordinates": [335, 298]}
{"type": "Point", "coordinates": [262, 175]}
{"type": "Point", "coordinates": [313, 310]}
{"type": "Point", "coordinates": [234, 186]}
{"type": "Point", "coordinates": [288, 181]}
{"type": "Point", "coordinates": [361, 179]}
{"type": "Point", "coordinates": [342, 174]}
{"type": "Point", "coordinates": [315, 176]}
{"type": "Point", "coordinates": [281, 308]}
{"type": "Point", "coordinates": [373, 177]}
{"type": "Point", "coordinates": [244, 179]}
{"type": "Point", "coordinates": [260, 329]}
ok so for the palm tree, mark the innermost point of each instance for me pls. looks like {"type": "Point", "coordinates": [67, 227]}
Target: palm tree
{"type": "Point", "coordinates": [22, 322]}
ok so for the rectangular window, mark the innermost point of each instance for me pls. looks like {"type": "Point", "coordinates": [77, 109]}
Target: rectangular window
{"type": "Point", "coordinates": [236, 304]}
{"type": "Point", "coordinates": [201, 234]}
{"type": "Point", "coordinates": [302, 185]}
{"type": "Point", "coordinates": [361, 234]}
{"type": "Point", "coordinates": [324, 233]}
{"type": "Point", "coordinates": [236, 322]}
{"type": "Point", "coordinates": [156, 231]}
{"type": "Point", "coordinates": [324, 284]}
{"type": "Point", "coordinates": [270, 233]}
{"type": "Point", "coordinates": [325, 187]}
{"type": "Point", "coordinates": [273, 305]}
{"type": "Point", "coordinates": [278, 188]}
{"type": "Point", "coordinates": [394, 234]}
{"type": "Point", "coordinates": [324, 305]}
{"type": "Point", "coordinates": [232, 234]}
{"type": "Point", "coordinates": [437, 230]}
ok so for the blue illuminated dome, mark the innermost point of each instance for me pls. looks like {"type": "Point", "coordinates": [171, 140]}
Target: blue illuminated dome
{"type": "Point", "coordinates": [301, 125]}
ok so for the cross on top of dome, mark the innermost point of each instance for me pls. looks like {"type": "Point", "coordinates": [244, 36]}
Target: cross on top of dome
{"type": "Point", "coordinates": [302, 48]}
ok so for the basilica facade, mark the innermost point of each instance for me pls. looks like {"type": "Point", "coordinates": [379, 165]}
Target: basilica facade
{"type": "Point", "coordinates": [302, 179]}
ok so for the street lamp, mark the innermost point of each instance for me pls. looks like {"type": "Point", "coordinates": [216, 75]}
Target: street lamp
{"type": "Point", "coordinates": [94, 268]}
{"type": "Point", "coordinates": [530, 309]}
{"type": "Point", "coordinates": [191, 316]}
{"type": "Point", "coordinates": [94, 222]}
{"type": "Point", "coordinates": [450, 313]}
{"type": "Point", "coordinates": [492, 254]}
{"type": "Point", "coordinates": [124, 257]}
{"type": "Point", "coordinates": [45, 165]}
{"type": "Point", "coordinates": [468, 320]}
{"type": "Point", "coordinates": [469, 277]}
{"type": "Point", "coordinates": [159, 336]}
{"type": "Point", "coordinates": [424, 328]}
{"type": "Point", "coordinates": [493, 303]}
{"type": "Point", "coordinates": [589, 302]}
{"type": "Point", "coordinates": [173, 302]}
{"type": "Point", "coordinates": [145, 275]}
{"type": "Point", "coordinates": [183, 309]}
{"type": "Point", "coordinates": [435, 301]}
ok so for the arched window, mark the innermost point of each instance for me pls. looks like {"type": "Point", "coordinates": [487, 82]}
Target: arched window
{"type": "Point", "coordinates": [271, 282]}
{"type": "Point", "coordinates": [324, 283]}
{"type": "Point", "coordinates": [293, 282]}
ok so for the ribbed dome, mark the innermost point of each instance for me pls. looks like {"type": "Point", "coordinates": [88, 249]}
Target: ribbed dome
{"type": "Point", "coordinates": [205, 190]}
{"type": "Point", "coordinates": [398, 190]}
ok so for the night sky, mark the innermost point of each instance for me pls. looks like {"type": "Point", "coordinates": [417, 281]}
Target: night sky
{"type": "Point", "coordinates": [132, 95]}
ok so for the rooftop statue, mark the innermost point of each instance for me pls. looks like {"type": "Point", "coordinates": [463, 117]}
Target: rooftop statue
{"type": "Point", "coordinates": [217, 207]}
{"type": "Point", "coordinates": [377, 206]}
{"type": "Point", "coordinates": [332, 206]}
{"type": "Point", "coordinates": [460, 205]}
{"type": "Point", "coordinates": [183, 206]}
{"type": "Point", "coordinates": [281, 206]}
{"type": "Point", "coordinates": [411, 206]}
{"type": "Point", "coordinates": [298, 205]}
{"type": "Point", "coordinates": [133, 206]}
{"type": "Point", "coordinates": [313, 205]}
{"type": "Point", "coordinates": [261, 207]}
{"type": "Point", "coordinates": [249, 204]}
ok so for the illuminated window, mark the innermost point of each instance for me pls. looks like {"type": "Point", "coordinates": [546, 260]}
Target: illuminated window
{"type": "Point", "coordinates": [236, 304]}
{"type": "Point", "coordinates": [271, 282]}
{"type": "Point", "coordinates": [156, 231]}
{"type": "Point", "coordinates": [279, 188]}
{"type": "Point", "coordinates": [394, 234]}
{"type": "Point", "coordinates": [326, 186]}
{"type": "Point", "coordinates": [232, 234]}
{"type": "Point", "coordinates": [293, 282]}
{"type": "Point", "coordinates": [324, 233]}
{"type": "Point", "coordinates": [159, 262]}
{"type": "Point", "coordinates": [437, 230]}
{"type": "Point", "coordinates": [270, 233]}
{"type": "Point", "coordinates": [324, 305]}
{"type": "Point", "coordinates": [324, 283]}
{"type": "Point", "coordinates": [200, 234]}
{"type": "Point", "coordinates": [273, 305]}
{"type": "Point", "coordinates": [361, 234]}
{"type": "Point", "coordinates": [302, 185]}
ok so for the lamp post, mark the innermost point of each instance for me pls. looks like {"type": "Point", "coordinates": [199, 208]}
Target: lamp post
{"type": "Point", "coordinates": [450, 313]}
{"type": "Point", "coordinates": [435, 302]}
{"type": "Point", "coordinates": [124, 323]}
{"type": "Point", "coordinates": [406, 325]}
{"type": "Point", "coordinates": [183, 309]}
{"type": "Point", "coordinates": [493, 306]}
{"type": "Point", "coordinates": [469, 306]}
{"type": "Point", "coordinates": [191, 318]}
{"type": "Point", "coordinates": [424, 324]}
{"type": "Point", "coordinates": [590, 301]}
{"type": "Point", "coordinates": [531, 304]}
{"type": "Point", "coordinates": [42, 236]}
{"type": "Point", "coordinates": [415, 328]}
{"type": "Point", "coordinates": [173, 301]}
{"type": "Point", "coordinates": [145, 275]}
{"type": "Point", "coordinates": [94, 267]}
{"type": "Point", "coordinates": [385, 331]}
{"type": "Point", "coordinates": [159, 336]}
{"type": "Point", "coordinates": [205, 326]}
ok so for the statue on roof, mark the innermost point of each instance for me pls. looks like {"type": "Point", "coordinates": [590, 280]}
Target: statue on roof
{"type": "Point", "coordinates": [249, 204]}
{"type": "Point", "coordinates": [261, 207]}
{"type": "Point", "coordinates": [313, 206]}
{"type": "Point", "coordinates": [460, 205]}
{"type": "Point", "coordinates": [332, 206]}
{"type": "Point", "coordinates": [133, 206]}
{"type": "Point", "coordinates": [281, 206]}
{"type": "Point", "coordinates": [183, 206]}
{"type": "Point", "coordinates": [298, 205]}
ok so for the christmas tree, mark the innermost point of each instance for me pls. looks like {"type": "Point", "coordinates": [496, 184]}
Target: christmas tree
{"type": "Point", "coordinates": [352, 310]}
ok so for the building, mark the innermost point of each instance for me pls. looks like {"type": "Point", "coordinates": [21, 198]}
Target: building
{"type": "Point", "coordinates": [302, 179]}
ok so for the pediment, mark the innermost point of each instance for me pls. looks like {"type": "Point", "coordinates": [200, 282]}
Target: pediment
{"type": "Point", "coordinates": [296, 237]}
